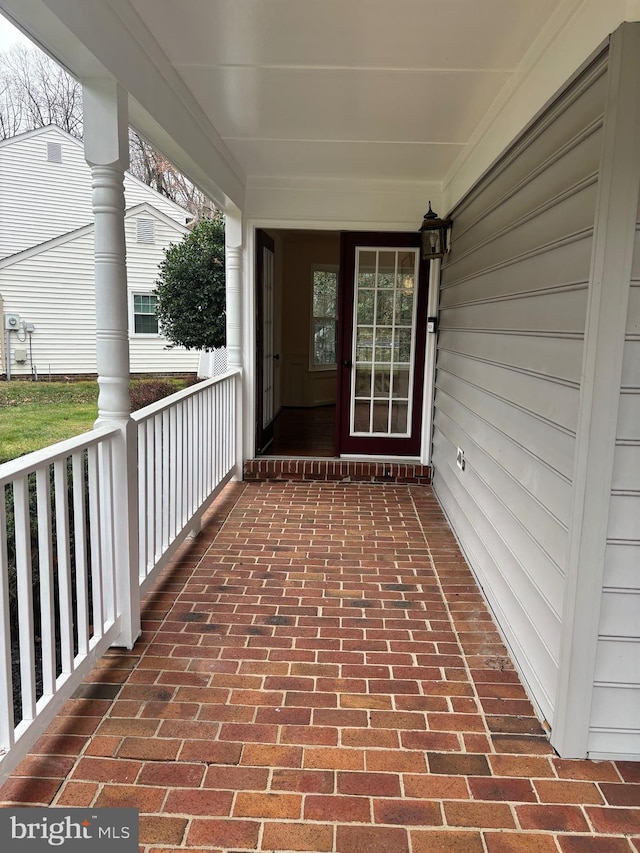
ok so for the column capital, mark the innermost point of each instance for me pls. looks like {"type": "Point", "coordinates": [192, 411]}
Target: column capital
{"type": "Point", "coordinates": [106, 123]}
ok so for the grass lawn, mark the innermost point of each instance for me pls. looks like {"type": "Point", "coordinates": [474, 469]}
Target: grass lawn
{"type": "Point", "coordinates": [36, 414]}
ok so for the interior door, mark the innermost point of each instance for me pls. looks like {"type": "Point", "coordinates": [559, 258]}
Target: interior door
{"type": "Point", "coordinates": [382, 344]}
{"type": "Point", "coordinates": [265, 355]}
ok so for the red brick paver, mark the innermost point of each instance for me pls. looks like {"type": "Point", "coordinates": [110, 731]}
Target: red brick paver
{"type": "Point", "coordinates": [318, 672]}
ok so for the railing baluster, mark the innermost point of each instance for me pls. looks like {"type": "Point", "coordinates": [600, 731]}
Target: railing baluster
{"type": "Point", "coordinates": [95, 543]}
{"type": "Point", "coordinates": [157, 424]}
{"type": "Point", "coordinates": [7, 736]}
{"type": "Point", "coordinates": [64, 564]}
{"type": "Point", "coordinates": [142, 504]}
{"type": "Point", "coordinates": [106, 525]}
{"type": "Point", "coordinates": [151, 495]}
{"type": "Point", "coordinates": [80, 551]}
{"type": "Point", "coordinates": [171, 485]}
{"type": "Point", "coordinates": [24, 582]}
{"type": "Point", "coordinates": [45, 570]}
{"type": "Point", "coordinates": [163, 421]}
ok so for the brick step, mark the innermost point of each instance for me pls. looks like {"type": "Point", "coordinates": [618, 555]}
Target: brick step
{"type": "Point", "coordinates": [337, 470]}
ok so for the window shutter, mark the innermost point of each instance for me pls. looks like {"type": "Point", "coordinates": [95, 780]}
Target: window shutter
{"type": "Point", "coordinates": [54, 152]}
{"type": "Point", "coordinates": [146, 230]}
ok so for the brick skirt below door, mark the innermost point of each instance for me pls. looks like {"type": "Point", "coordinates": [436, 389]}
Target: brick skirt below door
{"type": "Point", "coordinates": [337, 470]}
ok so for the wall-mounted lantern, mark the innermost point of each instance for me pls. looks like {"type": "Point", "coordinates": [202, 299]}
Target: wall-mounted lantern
{"type": "Point", "coordinates": [434, 233]}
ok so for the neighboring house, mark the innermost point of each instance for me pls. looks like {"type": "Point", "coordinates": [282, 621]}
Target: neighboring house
{"type": "Point", "coordinates": [322, 130]}
{"type": "Point", "coordinates": [47, 267]}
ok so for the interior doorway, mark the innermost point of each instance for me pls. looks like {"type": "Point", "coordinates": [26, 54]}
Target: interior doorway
{"type": "Point", "coordinates": [300, 352]}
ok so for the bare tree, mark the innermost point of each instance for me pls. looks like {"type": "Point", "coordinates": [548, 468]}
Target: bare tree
{"type": "Point", "coordinates": [156, 171]}
{"type": "Point", "coordinates": [35, 91]}
{"type": "Point", "coordinates": [39, 92]}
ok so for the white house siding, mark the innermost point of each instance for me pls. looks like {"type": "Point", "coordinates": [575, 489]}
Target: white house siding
{"type": "Point", "coordinates": [149, 353]}
{"type": "Point", "coordinates": [54, 290]}
{"type": "Point", "coordinates": [617, 676]}
{"type": "Point", "coordinates": [40, 200]}
{"type": "Point", "coordinates": [510, 345]}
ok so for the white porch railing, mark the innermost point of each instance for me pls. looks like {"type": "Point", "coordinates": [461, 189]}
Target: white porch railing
{"type": "Point", "coordinates": [186, 454]}
{"type": "Point", "coordinates": [59, 601]}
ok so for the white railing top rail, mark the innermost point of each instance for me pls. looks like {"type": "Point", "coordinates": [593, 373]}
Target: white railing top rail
{"type": "Point", "coordinates": [30, 462]}
{"type": "Point", "coordinates": [192, 390]}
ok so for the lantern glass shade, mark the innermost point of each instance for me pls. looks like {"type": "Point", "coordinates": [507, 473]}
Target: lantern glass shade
{"type": "Point", "coordinates": [434, 235]}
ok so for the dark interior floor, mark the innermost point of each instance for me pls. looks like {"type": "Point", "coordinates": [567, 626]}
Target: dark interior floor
{"type": "Point", "coordinates": [304, 432]}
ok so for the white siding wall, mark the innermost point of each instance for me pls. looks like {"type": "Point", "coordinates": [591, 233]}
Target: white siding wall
{"type": "Point", "coordinates": [151, 353]}
{"type": "Point", "coordinates": [40, 200]}
{"type": "Point", "coordinates": [510, 346]}
{"type": "Point", "coordinates": [54, 290]}
{"type": "Point", "coordinates": [617, 677]}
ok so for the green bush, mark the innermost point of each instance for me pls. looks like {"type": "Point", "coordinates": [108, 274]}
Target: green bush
{"type": "Point", "coordinates": [191, 295]}
{"type": "Point", "coordinates": [150, 391]}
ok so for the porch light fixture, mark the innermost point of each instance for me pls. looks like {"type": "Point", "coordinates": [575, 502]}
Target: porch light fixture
{"type": "Point", "coordinates": [434, 233]}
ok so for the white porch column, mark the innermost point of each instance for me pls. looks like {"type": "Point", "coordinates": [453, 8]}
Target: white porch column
{"type": "Point", "coordinates": [233, 270]}
{"type": "Point", "coordinates": [106, 146]}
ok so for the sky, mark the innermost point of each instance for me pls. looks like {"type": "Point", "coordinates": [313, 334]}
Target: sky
{"type": "Point", "coordinates": [9, 35]}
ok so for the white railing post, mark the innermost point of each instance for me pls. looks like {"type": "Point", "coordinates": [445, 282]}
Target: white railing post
{"type": "Point", "coordinates": [233, 269]}
{"type": "Point", "coordinates": [107, 153]}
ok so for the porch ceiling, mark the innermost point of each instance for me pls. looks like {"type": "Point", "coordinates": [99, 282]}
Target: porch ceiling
{"type": "Point", "coordinates": [358, 90]}
{"type": "Point", "coordinates": [415, 95]}
{"type": "Point", "coordinates": [361, 89]}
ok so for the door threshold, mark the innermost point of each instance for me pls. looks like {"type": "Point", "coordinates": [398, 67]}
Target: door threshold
{"type": "Point", "coordinates": [372, 470]}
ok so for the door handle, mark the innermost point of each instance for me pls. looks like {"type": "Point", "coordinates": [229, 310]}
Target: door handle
{"type": "Point", "coordinates": [347, 362]}
{"type": "Point", "coordinates": [276, 356]}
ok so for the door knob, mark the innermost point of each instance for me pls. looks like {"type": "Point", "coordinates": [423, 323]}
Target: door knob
{"type": "Point", "coordinates": [347, 362]}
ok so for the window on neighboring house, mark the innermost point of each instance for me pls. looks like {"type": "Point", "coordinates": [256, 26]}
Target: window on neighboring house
{"type": "Point", "coordinates": [145, 320]}
{"type": "Point", "coordinates": [324, 322]}
{"type": "Point", "coordinates": [146, 232]}
{"type": "Point", "coordinates": [54, 152]}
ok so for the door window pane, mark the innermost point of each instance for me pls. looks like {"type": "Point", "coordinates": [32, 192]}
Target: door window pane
{"type": "Point", "coordinates": [384, 308]}
{"type": "Point", "coordinates": [364, 344]}
{"type": "Point", "coordinates": [399, 417]}
{"type": "Point", "coordinates": [383, 336]}
{"type": "Point", "coordinates": [363, 382]}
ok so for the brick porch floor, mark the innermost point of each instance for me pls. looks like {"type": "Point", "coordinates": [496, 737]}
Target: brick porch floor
{"type": "Point", "coordinates": [318, 672]}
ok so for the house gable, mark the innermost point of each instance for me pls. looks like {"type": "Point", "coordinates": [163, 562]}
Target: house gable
{"type": "Point", "coordinates": [46, 190]}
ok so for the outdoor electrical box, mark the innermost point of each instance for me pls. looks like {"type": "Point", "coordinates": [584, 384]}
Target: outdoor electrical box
{"type": "Point", "coordinates": [12, 322]}
{"type": "Point", "coordinates": [20, 355]}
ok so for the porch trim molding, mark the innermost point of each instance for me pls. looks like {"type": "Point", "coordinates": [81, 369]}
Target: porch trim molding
{"type": "Point", "coordinates": [609, 286]}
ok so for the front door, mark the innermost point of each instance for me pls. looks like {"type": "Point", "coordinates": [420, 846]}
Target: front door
{"type": "Point", "coordinates": [382, 344]}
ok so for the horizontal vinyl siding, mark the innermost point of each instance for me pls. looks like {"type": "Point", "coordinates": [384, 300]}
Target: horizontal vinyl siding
{"type": "Point", "coordinates": [615, 713]}
{"type": "Point", "coordinates": [150, 354]}
{"type": "Point", "coordinates": [510, 346]}
{"type": "Point", "coordinates": [42, 200]}
{"type": "Point", "coordinates": [55, 291]}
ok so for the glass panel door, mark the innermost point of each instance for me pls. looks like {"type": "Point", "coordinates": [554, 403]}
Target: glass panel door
{"type": "Point", "coordinates": [382, 343]}
{"type": "Point", "coordinates": [384, 336]}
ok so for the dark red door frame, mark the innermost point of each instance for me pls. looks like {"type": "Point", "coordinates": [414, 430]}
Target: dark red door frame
{"type": "Point", "coordinates": [374, 446]}
{"type": "Point", "coordinates": [264, 432]}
